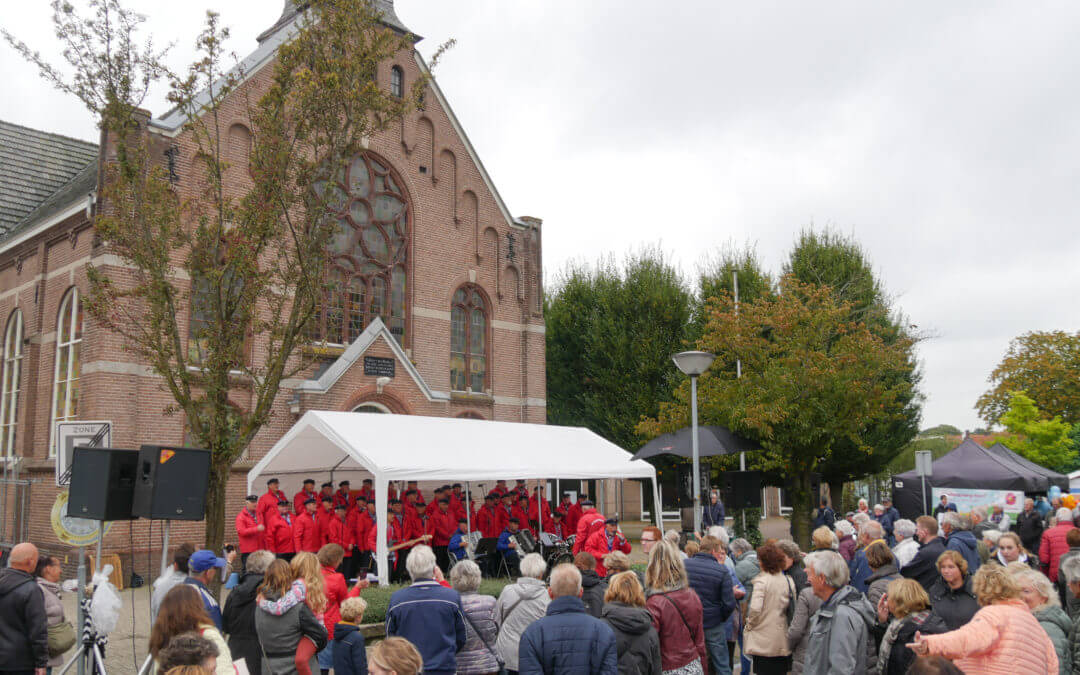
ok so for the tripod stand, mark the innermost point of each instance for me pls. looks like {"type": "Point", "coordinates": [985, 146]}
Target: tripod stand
{"type": "Point", "coordinates": [88, 655]}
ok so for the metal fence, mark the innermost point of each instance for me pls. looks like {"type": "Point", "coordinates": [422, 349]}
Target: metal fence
{"type": "Point", "coordinates": [15, 496]}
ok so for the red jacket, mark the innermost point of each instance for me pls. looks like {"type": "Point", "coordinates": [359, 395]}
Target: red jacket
{"type": "Point", "coordinates": [300, 498]}
{"type": "Point", "coordinates": [344, 498]}
{"type": "Point", "coordinates": [322, 519]}
{"type": "Point", "coordinates": [441, 526]}
{"type": "Point", "coordinates": [267, 506]}
{"type": "Point", "coordinates": [396, 530]}
{"type": "Point", "coordinates": [279, 536]}
{"type": "Point", "coordinates": [549, 522]}
{"type": "Point", "coordinates": [306, 533]}
{"type": "Point", "coordinates": [586, 525]}
{"type": "Point", "coordinates": [573, 515]}
{"type": "Point", "coordinates": [247, 529]}
{"type": "Point", "coordinates": [486, 521]}
{"type": "Point", "coordinates": [365, 532]}
{"type": "Point", "coordinates": [681, 640]}
{"type": "Point", "coordinates": [334, 533]}
{"type": "Point", "coordinates": [1052, 546]}
{"type": "Point", "coordinates": [366, 493]}
{"type": "Point", "coordinates": [502, 518]}
{"type": "Point", "coordinates": [597, 545]}
{"type": "Point", "coordinates": [336, 591]}
{"type": "Point", "coordinates": [523, 519]}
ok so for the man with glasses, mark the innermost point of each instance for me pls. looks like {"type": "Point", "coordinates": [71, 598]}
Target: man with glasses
{"type": "Point", "coordinates": [649, 536]}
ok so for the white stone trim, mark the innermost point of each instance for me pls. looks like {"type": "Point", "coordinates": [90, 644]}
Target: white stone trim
{"type": "Point", "coordinates": [431, 313]}
{"type": "Point", "coordinates": [517, 327]}
{"type": "Point", "coordinates": [42, 226]}
{"type": "Point", "coordinates": [353, 354]}
{"type": "Point", "coordinates": [118, 368]}
{"type": "Point", "coordinates": [516, 401]}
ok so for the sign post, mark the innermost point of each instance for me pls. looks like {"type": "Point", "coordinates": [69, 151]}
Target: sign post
{"type": "Point", "coordinates": [70, 435]}
{"type": "Point", "coordinates": [924, 466]}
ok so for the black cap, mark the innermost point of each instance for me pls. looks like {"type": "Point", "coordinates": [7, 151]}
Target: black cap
{"type": "Point", "coordinates": [343, 483]}
{"type": "Point", "coordinates": [272, 481]}
{"type": "Point", "coordinates": [462, 520]}
{"type": "Point", "coordinates": [491, 495]}
{"type": "Point", "coordinates": [611, 521]}
{"type": "Point", "coordinates": [557, 514]}
{"type": "Point", "coordinates": [587, 502]}
{"type": "Point", "coordinates": [251, 498]}
{"type": "Point", "coordinates": [327, 498]}
{"type": "Point", "coordinates": [507, 494]}
{"type": "Point", "coordinates": [341, 507]}
{"type": "Point", "coordinates": [444, 500]}
{"type": "Point", "coordinates": [519, 480]}
{"type": "Point", "coordinates": [410, 492]}
{"type": "Point", "coordinates": [394, 501]}
{"type": "Point", "coordinates": [513, 520]}
{"type": "Point", "coordinates": [327, 485]}
{"type": "Point", "coordinates": [309, 480]}
{"type": "Point", "coordinates": [567, 494]}
{"type": "Point", "coordinates": [457, 485]}
{"type": "Point", "coordinates": [283, 502]}
{"type": "Point", "coordinates": [525, 497]}
{"type": "Point", "coordinates": [367, 480]}
{"type": "Point", "coordinates": [361, 498]}
{"type": "Point", "coordinates": [311, 500]}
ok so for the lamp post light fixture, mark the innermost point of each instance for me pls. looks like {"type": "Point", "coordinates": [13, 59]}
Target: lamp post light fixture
{"type": "Point", "coordinates": [694, 364]}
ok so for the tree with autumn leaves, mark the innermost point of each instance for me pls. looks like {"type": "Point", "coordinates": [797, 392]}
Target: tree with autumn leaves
{"type": "Point", "coordinates": [813, 380]}
{"type": "Point", "coordinates": [248, 248]}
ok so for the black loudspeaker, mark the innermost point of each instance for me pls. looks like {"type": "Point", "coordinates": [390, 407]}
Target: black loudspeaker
{"type": "Point", "coordinates": [742, 489]}
{"type": "Point", "coordinates": [171, 483]}
{"type": "Point", "coordinates": [685, 496]}
{"type": "Point", "coordinates": [102, 483]}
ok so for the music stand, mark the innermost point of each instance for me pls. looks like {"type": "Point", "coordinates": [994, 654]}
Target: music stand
{"type": "Point", "coordinates": [485, 549]}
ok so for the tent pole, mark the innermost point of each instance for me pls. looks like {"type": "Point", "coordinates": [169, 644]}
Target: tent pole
{"type": "Point", "coordinates": [468, 509]}
{"type": "Point", "coordinates": [382, 557]}
{"type": "Point", "coordinates": [539, 511]}
{"type": "Point", "coordinates": [657, 506]}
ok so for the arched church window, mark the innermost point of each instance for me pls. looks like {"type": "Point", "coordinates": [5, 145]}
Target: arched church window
{"type": "Point", "coordinates": [397, 82]}
{"type": "Point", "coordinates": [369, 252]}
{"type": "Point", "coordinates": [468, 340]}
{"type": "Point", "coordinates": [9, 397]}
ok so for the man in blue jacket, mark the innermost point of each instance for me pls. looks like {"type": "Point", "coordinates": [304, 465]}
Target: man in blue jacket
{"type": "Point", "coordinates": [507, 547]}
{"type": "Point", "coordinates": [459, 540]}
{"type": "Point", "coordinates": [711, 580]}
{"type": "Point", "coordinates": [713, 512]}
{"type": "Point", "coordinates": [825, 517]}
{"type": "Point", "coordinates": [428, 614]}
{"type": "Point", "coordinates": [567, 640]}
{"type": "Point", "coordinates": [959, 539]}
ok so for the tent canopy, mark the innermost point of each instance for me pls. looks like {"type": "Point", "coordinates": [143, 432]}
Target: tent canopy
{"type": "Point", "coordinates": [412, 447]}
{"type": "Point", "coordinates": [972, 466]}
{"type": "Point", "coordinates": [1052, 477]}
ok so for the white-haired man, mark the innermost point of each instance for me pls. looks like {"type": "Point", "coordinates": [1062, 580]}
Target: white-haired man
{"type": "Point", "coordinates": [1054, 545]}
{"type": "Point", "coordinates": [842, 641]}
{"type": "Point", "coordinates": [869, 532]}
{"type": "Point", "coordinates": [906, 545]}
{"type": "Point", "coordinates": [567, 639]}
{"type": "Point", "coordinates": [958, 538]}
{"type": "Point", "coordinates": [428, 614]}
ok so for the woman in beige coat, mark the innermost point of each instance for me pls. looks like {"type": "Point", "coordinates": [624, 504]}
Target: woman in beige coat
{"type": "Point", "coordinates": [772, 596]}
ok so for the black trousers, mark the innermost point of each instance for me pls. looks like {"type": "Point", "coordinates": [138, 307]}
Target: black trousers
{"type": "Point", "coordinates": [243, 561]}
{"type": "Point", "coordinates": [287, 557]}
{"type": "Point", "coordinates": [442, 557]}
{"type": "Point", "coordinates": [400, 573]}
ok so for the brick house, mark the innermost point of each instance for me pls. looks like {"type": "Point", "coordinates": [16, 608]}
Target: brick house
{"type": "Point", "coordinates": [451, 292]}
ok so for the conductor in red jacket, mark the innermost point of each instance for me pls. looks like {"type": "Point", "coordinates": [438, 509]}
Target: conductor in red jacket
{"type": "Point", "coordinates": [308, 492]}
{"type": "Point", "coordinates": [279, 534]}
{"type": "Point", "coordinates": [590, 521]}
{"type": "Point", "coordinates": [249, 528]}
{"type": "Point", "coordinates": [267, 508]}
{"type": "Point", "coordinates": [604, 541]}
{"type": "Point", "coordinates": [306, 529]}
{"type": "Point", "coordinates": [487, 517]}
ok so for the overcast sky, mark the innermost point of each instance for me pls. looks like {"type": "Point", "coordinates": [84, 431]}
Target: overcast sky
{"type": "Point", "coordinates": [944, 136]}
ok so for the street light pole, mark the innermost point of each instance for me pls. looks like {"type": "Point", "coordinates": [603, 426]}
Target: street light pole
{"type": "Point", "coordinates": [694, 364]}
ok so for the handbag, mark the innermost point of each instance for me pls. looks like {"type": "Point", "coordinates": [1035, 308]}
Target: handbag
{"type": "Point", "coordinates": [61, 638]}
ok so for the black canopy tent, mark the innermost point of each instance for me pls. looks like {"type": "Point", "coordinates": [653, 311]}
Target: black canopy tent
{"type": "Point", "coordinates": [970, 465]}
{"type": "Point", "coordinates": [1052, 477]}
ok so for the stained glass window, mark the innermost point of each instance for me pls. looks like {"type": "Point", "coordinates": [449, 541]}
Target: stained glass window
{"type": "Point", "coordinates": [65, 403]}
{"type": "Point", "coordinates": [9, 396]}
{"type": "Point", "coordinates": [369, 253]}
{"type": "Point", "coordinates": [468, 341]}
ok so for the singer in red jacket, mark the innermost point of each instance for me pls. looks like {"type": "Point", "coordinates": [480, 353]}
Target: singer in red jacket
{"type": "Point", "coordinates": [343, 495]}
{"type": "Point", "coordinates": [306, 529]}
{"type": "Point", "coordinates": [545, 508]}
{"type": "Point", "coordinates": [521, 512]}
{"type": "Point", "coordinates": [604, 541]}
{"type": "Point", "coordinates": [267, 507]}
{"type": "Point", "coordinates": [590, 521]}
{"type": "Point", "coordinates": [279, 535]}
{"type": "Point", "coordinates": [487, 518]}
{"type": "Point", "coordinates": [308, 492]}
{"type": "Point", "coordinates": [441, 526]}
{"type": "Point", "coordinates": [249, 528]}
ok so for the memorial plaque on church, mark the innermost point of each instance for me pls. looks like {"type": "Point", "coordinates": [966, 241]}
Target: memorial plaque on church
{"type": "Point", "coordinates": [378, 366]}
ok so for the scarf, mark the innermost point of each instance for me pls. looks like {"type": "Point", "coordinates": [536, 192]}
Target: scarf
{"type": "Point", "coordinates": [918, 618]}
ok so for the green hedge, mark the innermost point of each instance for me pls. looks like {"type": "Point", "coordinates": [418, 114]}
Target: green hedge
{"type": "Point", "coordinates": [378, 597]}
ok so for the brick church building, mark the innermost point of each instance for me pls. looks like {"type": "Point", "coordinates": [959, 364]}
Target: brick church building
{"type": "Point", "coordinates": [450, 291]}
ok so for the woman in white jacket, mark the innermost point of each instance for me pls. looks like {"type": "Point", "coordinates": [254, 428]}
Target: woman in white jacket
{"type": "Point", "coordinates": [518, 606]}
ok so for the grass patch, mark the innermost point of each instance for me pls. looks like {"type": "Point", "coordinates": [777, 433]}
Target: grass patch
{"type": "Point", "coordinates": [378, 597]}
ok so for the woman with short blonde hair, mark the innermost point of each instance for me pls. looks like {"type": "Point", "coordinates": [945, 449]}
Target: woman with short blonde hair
{"type": "Point", "coordinates": [823, 539]}
{"type": "Point", "coordinates": [1001, 636]}
{"type": "Point", "coordinates": [636, 640]}
{"type": "Point", "coordinates": [395, 656]}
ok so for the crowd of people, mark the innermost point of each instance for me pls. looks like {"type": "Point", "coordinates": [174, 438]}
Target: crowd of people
{"type": "Point", "coordinates": [875, 595]}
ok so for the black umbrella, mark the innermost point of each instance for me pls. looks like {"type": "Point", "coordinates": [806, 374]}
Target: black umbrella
{"type": "Point", "coordinates": [712, 441]}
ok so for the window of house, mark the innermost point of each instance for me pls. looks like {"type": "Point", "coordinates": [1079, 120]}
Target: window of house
{"type": "Point", "coordinates": [202, 322]}
{"type": "Point", "coordinates": [468, 340]}
{"type": "Point", "coordinates": [397, 82]}
{"type": "Point", "coordinates": [9, 393]}
{"type": "Point", "coordinates": [65, 400]}
{"type": "Point", "coordinates": [369, 253]}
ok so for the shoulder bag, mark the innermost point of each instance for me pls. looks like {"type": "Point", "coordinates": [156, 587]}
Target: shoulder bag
{"type": "Point", "coordinates": [61, 638]}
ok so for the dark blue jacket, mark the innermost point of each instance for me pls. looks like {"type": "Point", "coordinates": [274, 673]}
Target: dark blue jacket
{"type": "Point", "coordinates": [503, 546]}
{"type": "Point", "coordinates": [350, 655]}
{"type": "Point", "coordinates": [209, 602]}
{"type": "Point", "coordinates": [713, 514]}
{"type": "Point", "coordinates": [429, 616]}
{"type": "Point", "coordinates": [712, 582]}
{"type": "Point", "coordinates": [568, 641]}
{"type": "Point", "coordinates": [457, 545]}
{"type": "Point", "coordinates": [963, 542]}
{"type": "Point", "coordinates": [826, 517]}
{"type": "Point", "coordinates": [923, 567]}
{"type": "Point", "coordinates": [860, 571]}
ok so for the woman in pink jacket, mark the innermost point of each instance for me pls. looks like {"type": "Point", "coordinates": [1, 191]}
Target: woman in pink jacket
{"type": "Point", "coordinates": [1003, 638]}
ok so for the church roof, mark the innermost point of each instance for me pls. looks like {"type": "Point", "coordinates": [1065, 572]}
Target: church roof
{"type": "Point", "coordinates": [294, 7]}
{"type": "Point", "coordinates": [40, 173]}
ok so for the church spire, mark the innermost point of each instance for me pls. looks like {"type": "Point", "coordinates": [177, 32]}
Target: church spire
{"type": "Point", "coordinates": [294, 7]}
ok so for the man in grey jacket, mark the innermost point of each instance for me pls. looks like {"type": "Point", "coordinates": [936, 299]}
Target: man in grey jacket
{"type": "Point", "coordinates": [840, 640]}
{"type": "Point", "coordinates": [518, 606]}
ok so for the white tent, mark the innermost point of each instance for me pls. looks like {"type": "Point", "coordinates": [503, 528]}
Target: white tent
{"type": "Point", "coordinates": [348, 445]}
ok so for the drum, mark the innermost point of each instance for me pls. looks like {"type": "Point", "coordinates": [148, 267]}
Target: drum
{"type": "Point", "coordinates": [559, 556]}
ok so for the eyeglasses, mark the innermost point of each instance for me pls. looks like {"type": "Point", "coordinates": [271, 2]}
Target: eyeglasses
{"type": "Point", "coordinates": [647, 541]}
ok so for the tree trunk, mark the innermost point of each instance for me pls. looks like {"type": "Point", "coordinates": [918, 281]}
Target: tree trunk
{"type": "Point", "coordinates": [215, 509]}
{"type": "Point", "coordinates": [801, 506]}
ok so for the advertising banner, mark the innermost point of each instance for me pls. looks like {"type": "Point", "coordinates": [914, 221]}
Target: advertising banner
{"type": "Point", "coordinates": [1011, 501]}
